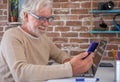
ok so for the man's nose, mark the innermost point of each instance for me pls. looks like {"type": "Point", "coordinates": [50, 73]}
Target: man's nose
{"type": "Point", "coordinates": [46, 23]}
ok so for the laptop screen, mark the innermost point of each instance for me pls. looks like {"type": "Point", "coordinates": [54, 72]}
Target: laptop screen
{"type": "Point", "coordinates": [99, 54]}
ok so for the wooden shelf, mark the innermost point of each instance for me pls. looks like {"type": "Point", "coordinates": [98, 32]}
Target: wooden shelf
{"type": "Point", "coordinates": [106, 32]}
{"type": "Point", "coordinates": [93, 11]}
{"type": "Point", "coordinates": [13, 24]}
{"type": "Point", "coordinates": [104, 11]}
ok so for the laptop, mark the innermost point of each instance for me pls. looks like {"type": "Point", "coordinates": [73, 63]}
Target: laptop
{"type": "Point", "coordinates": [96, 60]}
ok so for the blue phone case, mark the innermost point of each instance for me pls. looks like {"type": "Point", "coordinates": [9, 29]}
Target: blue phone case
{"type": "Point", "coordinates": [91, 48]}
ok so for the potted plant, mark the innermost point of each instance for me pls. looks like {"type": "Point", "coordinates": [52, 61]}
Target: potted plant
{"type": "Point", "coordinates": [13, 10]}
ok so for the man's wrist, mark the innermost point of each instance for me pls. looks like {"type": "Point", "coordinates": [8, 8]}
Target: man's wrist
{"type": "Point", "coordinates": [67, 60]}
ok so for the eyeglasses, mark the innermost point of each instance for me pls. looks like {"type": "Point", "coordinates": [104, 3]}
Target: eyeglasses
{"type": "Point", "coordinates": [48, 19]}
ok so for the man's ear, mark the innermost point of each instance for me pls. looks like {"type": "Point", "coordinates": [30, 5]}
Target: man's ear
{"type": "Point", "coordinates": [26, 17]}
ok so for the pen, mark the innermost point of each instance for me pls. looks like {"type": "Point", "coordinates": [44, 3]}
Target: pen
{"type": "Point", "coordinates": [114, 54]}
{"type": "Point", "coordinates": [117, 55]}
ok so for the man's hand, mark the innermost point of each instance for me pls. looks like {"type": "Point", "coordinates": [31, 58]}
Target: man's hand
{"type": "Point", "coordinates": [67, 60]}
{"type": "Point", "coordinates": [79, 65]}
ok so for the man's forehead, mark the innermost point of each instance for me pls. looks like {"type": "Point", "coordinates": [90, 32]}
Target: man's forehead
{"type": "Point", "coordinates": [44, 11]}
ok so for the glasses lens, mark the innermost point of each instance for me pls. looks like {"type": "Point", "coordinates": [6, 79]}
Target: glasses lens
{"type": "Point", "coordinates": [40, 18]}
{"type": "Point", "coordinates": [50, 19]}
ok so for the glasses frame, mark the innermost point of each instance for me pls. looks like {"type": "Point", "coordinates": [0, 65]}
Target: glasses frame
{"type": "Point", "coordinates": [48, 19]}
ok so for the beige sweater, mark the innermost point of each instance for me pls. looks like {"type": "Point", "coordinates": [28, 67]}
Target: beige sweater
{"type": "Point", "coordinates": [24, 58]}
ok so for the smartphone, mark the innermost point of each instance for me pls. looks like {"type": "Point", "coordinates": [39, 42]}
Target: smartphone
{"type": "Point", "coordinates": [91, 48]}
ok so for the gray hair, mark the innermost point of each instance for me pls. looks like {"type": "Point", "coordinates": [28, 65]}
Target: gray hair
{"type": "Point", "coordinates": [33, 6]}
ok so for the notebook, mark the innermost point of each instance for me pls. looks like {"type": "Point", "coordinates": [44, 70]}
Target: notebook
{"type": "Point", "coordinates": [96, 60]}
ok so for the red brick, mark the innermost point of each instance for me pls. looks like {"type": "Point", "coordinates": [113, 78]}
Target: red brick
{"type": "Point", "coordinates": [56, 5]}
{"type": "Point", "coordinates": [108, 35]}
{"type": "Point", "coordinates": [107, 58]}
{"type": "Point", "coordinates": [79, 11]}
{"type": "Point", "coordinates": [114, 41]}
{"type": "Point", "coordinates": [84, 16]}
{"type": "Point", "coordinates": [50, 29]}
{"type": "Point", "coordinates": [69, 34]}
{"type": "Point", "coordinates": [3, 23]}
{"type": "Point", "coordinates": [4, 1]}
{"type": "Point", "coordinates": [111, 46]}
{"type": "Point", "coordinates": [73, 17]}
{"type": "Point", "coordinates": [84, 46]}
{"type": "Point", "coordinates": [5, 12]}
{"type": "Point", "coordinates": [53, 34]}
{"type": "Point", "coordinates": [3, 18]}
{"type": "Point", "coordinates": [110, 54]}
{"type": "Point", "coordinates": [95, 6]}
{"type": "Point", "coordinates": [3, 6]}
{"type": "Point", "coordinates": [1, 12]}
{"type": "Point", "coordinates": [78, 0]}
{"type": "Point", "coordinates": [78, 40]}
{"type": "Point", "coordinates": [62, 29]}
{"type": "Point", "coordinates": [61, 11]}
{"type": "Point", "coordinates": [60, 0]}
{"type": "Point", "coordinates": [86, 5]}
{"type": "Point", "coordinates": [60, 40]}
{"type": "Point", "coordinates": [1, 28]}
{"type": "Point", "coordinates": [78, 28]}
{"type": "Point", "coordinates": [73, 23]}
{"type": "Point", "coordinates": [1, 34]}
{"type": "Point", "coordinates": [57, 17]}
{"type": "Point", "coordinates": [70, 5]}
{"type": "Point", "coordinates": [85, 35]}
{"type": "Point", "coordinates": [67, 17]}
{"type": "Point", "coordinates": [58, 23]}
{"type": "Point", "coordinates": [118, 4]}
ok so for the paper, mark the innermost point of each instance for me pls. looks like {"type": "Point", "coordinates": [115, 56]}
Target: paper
{"type": "Point", "coordinates": [79, 79]}
{"type": "Point", "coordinates": [63, 80]}
{"type": "Point", "coordinates": [117, 71]}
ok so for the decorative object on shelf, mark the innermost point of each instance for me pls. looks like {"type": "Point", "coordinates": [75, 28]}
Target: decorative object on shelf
{"type": "Point", "coordinates": [106, 5]}
{"type": "Point", "coordinates": [116, 25]}
{"type": "Point", "coordinates": [103, 24]}
{"type": "Point", "coordinates": [13, 10]}
{"type": "Point", "coordinates": [100, 24]}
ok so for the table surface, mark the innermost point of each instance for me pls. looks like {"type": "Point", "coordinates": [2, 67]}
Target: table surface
{"type": "Point", "coordinates": [106, 74]}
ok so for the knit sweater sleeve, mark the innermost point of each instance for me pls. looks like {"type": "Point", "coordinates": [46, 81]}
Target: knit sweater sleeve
{"type": "Point", "coordinates": [13, 51]}
{"type": "Point", "coordinates": [56, 53]}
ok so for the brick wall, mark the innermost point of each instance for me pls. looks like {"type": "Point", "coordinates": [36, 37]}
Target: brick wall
{"type": "Point", "coordinates": [69, 31]}
{"type": "Point", "coordinates": [3, 16]}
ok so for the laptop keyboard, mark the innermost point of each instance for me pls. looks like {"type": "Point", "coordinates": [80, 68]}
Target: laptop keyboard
{"type": "Point", "coordinates": [88, 73]}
